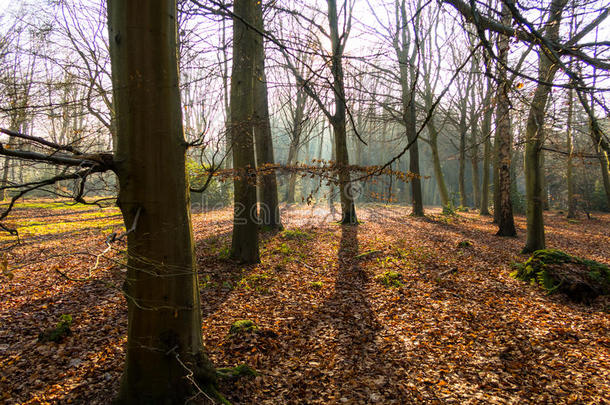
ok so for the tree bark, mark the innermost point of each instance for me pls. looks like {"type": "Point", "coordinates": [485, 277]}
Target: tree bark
{"type": "Point", "coordinates": [269, 212]}
{"type": "Point", "coordinates": [5, 167]}
{"type": "Point", "coordinates": [295, 141]}
{"type": "Point", "coordinates": [496, 175]}
{"type": "Point", "coordinates": [570, 149]}
{"type": "Point", "coordinates": [407, 75]}
{"type": "Point", "coordinates": [436, 161]}
{"type": "Point", "coordinates": [474, 148]}
{"type": "Point", "coordinates": [416, 193]}
{"type": "Point", "coordinates": [486, 130]}
{"type": "Point", "coordinates": [504, 140]}
{"type": "Point", "coordinates": [545, 184]}
{"type": "Point", "coordinates": [462, 163]}
{"type": "Point", "coordinates": [244, 245]}
{"type": "Point", "coordinates": [604, 162]}
{"type": "Point", "coordinates": [338, 121]}
{"type": "Point", "coordinates": [547, 68]}
{"type": "Point", "coordinates": [164, 320]}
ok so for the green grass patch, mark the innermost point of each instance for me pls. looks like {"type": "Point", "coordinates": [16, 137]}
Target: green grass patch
{"type": "Point", "coordinates": [105, 213]}
{"type": "Point", "coordinates": [257, 282]}
{"type": "Point", "coordinates": [284, 249]}
{"type": "Point", "coordinates": [57, 205]}
{"type": "Point", "coordinates": [296, 234]}
{"type": "Point", "coordinates": [62, 227]}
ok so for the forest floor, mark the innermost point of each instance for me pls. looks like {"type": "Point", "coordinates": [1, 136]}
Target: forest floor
{"type": "Point", "coordinates": [454, 327]}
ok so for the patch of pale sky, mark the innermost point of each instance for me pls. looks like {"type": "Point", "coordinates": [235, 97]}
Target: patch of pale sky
{"type": "Point", "coordinates": [4, 5]}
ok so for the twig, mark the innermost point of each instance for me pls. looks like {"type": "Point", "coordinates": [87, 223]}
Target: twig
{"type": "Point", "coordinates": [189, 376]}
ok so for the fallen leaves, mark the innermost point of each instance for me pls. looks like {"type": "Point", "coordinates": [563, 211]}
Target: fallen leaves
{"type": "Point", "coordinates": [457, 330]}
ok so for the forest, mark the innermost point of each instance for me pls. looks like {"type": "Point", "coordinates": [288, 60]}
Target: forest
{"type": "Point", "coordinates": [304, 202]}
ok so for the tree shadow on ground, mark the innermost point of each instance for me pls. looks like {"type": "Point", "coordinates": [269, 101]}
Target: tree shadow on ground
{"type": "Point", "coordinates": [347, 322]}
{"type": "Point", "coordinates": [219, 275]}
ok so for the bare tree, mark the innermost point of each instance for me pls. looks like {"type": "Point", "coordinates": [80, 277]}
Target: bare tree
{"type": "Point", "coordinates": [504, 138]}
{"type": "Point", "coordinates": [244, 246]}
{"type": "Point", "coordinates": [165, 362]}
{"type": "Point", "coordinates": [269, 209]}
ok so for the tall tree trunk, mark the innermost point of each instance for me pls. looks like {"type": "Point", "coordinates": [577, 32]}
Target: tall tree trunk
{"type": "Point", "coordinates": [295, 141]}
{"type": "Point", "coordinates": [407, 77]}
{"type": "Point", "coordinates": [603, 150]}
{"type": "Point", "coordinates": [474, 151]}
{"type": "Point", "coordinates": [438, 170]}
{"type": "Point", "coordinates": [244, 246]}
{"type": "Point", "coordinates": [504, 139]}
{"type": "Point", "coordinates": [331, 187]}
{"type": "Point", "coordinates": [547, 68]}
{"type": "Point", "coordinates": [484, 209]}
{"type": "Point", "coordinates": [269, 207]}
{"type": "Point", "coordinates": [320, 150]}
{"type": "Point", "coordinates": [228, 162]}
{"type": "Point", "coordinates": [292, 181]}
{"type": "Point", "coordinates": [570, 149]}
{"type": "Point", "coordinates": [338, 121]}
{"type": "Point", "coordinates": [5, 167]}
{"type": "Point", "coordinates": [436, 160]}
{"type": "Point", "coordinates": [496, 174]}
{"type": "Point", "coordinates": [416, 193]}
{"type": "Point", "coordinates": [486, 130]}
{"type": "Point", "coordinates": [604, 162]}
{"type": "Point", "coordinates": [164, 343]}
{"type": "Point", "coordinates": [462, 163]}
{"type": "Point", "coordinates": [545, 184]}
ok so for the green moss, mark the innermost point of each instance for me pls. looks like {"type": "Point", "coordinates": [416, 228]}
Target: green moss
{"type": "Point", "coordinates": [464, 244]}
{"type": "Point", "coordinates": [205, 281]}
{"type": "Point", "coordinates": [390, 279]}
{"type": "Point", "coordinates": [316, 285]}
{"type": "Point", "coordinates": [59, 332]}
{"type": "Point", "coordinates": [256, 282]}
{"type": "Point", "coordinates": [243, 370]}
{"type": "Point", "coordinates": [224, 253]}
{"type": "Point", "coordinates": [584, 279]}
{"type": "Point", "coordinates": [449, 209]}
{"type": "Point", "coordinates": [284, 249]}
{"type": "Point", "coordinates": [598, 272]}
{"type": "Point", "coordinates": [242, 326]}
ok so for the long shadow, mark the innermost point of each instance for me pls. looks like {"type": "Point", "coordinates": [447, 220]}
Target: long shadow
{"type": "Point", "coordinates": [350, 310]}
{"type": "Point", "coordinates": [218, 277]}
{"type": "Point", "coordinates": [347, 323]}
